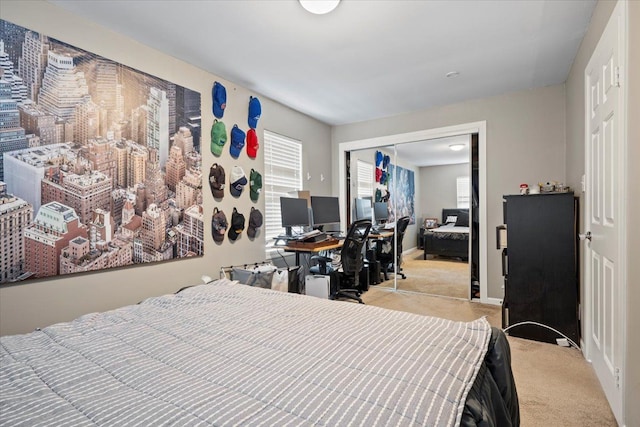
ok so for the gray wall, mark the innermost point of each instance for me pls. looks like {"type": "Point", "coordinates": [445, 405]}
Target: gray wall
{"type": "Point", "coordinates": [525, 143]}
{"type": "Point", "coordinates": [439, 188]}
{"type": "Point", "coordinates": [26, 306]}
{"type": "Point", "coordinates": [575, 169]}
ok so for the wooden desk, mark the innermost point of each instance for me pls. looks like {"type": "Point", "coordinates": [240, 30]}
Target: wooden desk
{"type": "Point", "coordinates": [325, 245]}
{"type": "Point", "coordinates": [309, 249]}
{"type": "Point", "coordinates": [381, 234]}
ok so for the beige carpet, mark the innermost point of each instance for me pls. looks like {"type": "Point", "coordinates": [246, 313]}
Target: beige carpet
{"type": "Point", "coordinates": [556, 385]}
{"type": "Point", "coordinates": [435, 276]}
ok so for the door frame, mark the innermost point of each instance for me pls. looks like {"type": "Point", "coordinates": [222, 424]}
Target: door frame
{"type": "Point", "coordinates": [480, 128]}
{"type": "Point", "coordinates": [620, 12]}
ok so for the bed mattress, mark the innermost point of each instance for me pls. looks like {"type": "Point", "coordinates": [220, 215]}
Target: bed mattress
{"type": "Point", "coordinates": [229, 354]}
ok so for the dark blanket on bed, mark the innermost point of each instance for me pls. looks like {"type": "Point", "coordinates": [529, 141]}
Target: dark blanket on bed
{"type": "Point", "coordinates": [443, 244]}
{"type": "Point", "coordinates": [493, 399]}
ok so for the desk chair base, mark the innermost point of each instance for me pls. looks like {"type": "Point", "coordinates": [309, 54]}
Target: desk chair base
{"type": "Point", "coordinates": [345, 294]}
{"type": "Point", "coordinates": [386, 272]}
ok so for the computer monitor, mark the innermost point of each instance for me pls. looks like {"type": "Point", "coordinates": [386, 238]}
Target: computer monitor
{"type": "Point", "coordinates": [363, 209]}
{"type": "Point", "coordinates": [294, 212]}
{"type": "Point", "coordinates": [325, 210]}
{"type": "Point", "coordinates": [381, 211]}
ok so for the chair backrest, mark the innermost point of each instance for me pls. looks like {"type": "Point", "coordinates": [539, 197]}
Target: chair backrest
{"type": "Point", "coordinates": [351, 255]}
{"type": "Point", "coordinates": [401, 226]}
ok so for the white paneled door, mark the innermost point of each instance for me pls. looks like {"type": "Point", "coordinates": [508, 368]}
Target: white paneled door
{"type": "Point", "coordinates": [604, 179]}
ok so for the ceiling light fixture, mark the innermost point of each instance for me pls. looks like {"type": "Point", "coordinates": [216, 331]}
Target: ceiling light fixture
{"type": "Point", "coordinates": [451, 74]}
{"type": "Point", "coordinates": [319, 7]}
{"type": "Point", "coordinates": [456, 147]}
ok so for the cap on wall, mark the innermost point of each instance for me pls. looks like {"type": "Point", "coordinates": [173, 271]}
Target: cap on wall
{"type": "Point", "coordinates": [216, 180]}
{"type": "Point", "coordinates": [218, 225]}
{"type": "Point", "coordinates": [219, 96]}
{"type": "Point", "coordinates": [252, 143]}
{"type": "Point", "coordinates": [238, 180]}
{"type": "Point", "coordinates": [237, 225]}
{"type": "Point", "coordinates": [255, 110]}
{"type": "Point", "coordinates": [237, 141]}
{"type": "Point", "coordinates": [218, 137]}
{"type": "Point", "coordinates": [255, 185]}
{"type": "Point", "coordinates": [255, 222]}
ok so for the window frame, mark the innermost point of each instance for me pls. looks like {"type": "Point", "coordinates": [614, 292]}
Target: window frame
{"type": "Point", "coordinates": [365, 172]}
{"type": "Point", "coordinates": [282, 175]}
{"type": "Point", "coordinates": [463, 192]}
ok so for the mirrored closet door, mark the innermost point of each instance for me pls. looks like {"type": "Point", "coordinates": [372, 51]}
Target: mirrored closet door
{"type": "Point", "coordinates": [419, 196]}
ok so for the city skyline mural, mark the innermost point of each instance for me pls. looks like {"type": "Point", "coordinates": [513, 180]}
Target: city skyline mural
{"type": "Point", "coordinates": [100, 164]}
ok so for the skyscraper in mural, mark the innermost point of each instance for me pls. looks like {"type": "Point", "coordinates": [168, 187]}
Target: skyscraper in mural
{"type": "Point", "coordinates": [63, 87]}
{"type": "Point", "coordinates": [33, 61]}
{"type": "Point", "coordinates": [158, 125]}
{"type": "Point", "coordinates": [15, 215]}
{"type": "Point", "coordinates": [12, 135]}
{"type": "Point", "coordinates": [54, 226]}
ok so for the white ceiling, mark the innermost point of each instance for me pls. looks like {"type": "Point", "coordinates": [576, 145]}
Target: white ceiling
{"type": "Point", "coordinates": [366, 59]}
{"type": "Point", "coordinates": [434, 152]}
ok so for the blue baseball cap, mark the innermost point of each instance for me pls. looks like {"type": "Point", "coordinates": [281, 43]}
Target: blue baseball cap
{"type": "Point", "coordinates": [385, 162]}
{"type": "Point", "coordinates": [237, 141]}
{"type": "Point", "coordinates": [219, 95]}
{"type": "Point", "coordinates": [378, 158]}
{"type": "Point", "coordinates": [255, 110]}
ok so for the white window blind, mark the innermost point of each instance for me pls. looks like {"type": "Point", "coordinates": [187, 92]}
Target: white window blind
{"type": "Point", "coordinates": [462, 185]}
{"type": "Point", "coordinates": [365, 179]}
{"type": "Point", "coordinates": [282, 175]}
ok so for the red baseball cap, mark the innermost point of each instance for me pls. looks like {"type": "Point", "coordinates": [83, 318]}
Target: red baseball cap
{"type": "Point", "coordinates": [252, 143]}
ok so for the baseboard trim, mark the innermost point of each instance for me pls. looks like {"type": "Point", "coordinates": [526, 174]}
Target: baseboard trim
{"type": "Point", "coordinates": [491, 301]}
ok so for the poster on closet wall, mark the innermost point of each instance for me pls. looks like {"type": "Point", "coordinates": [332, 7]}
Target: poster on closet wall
{"type": "Point", "coordinates": [100, 164]}
{"type": "Point", "coordinates": [402, 188]}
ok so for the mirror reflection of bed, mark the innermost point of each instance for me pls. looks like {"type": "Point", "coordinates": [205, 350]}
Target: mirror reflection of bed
{"type": "Point", "coordinates": [440, 264]}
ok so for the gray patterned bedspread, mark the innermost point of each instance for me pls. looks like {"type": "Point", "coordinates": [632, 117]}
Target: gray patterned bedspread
{"type": "Point", "coordinates": [228, 354]}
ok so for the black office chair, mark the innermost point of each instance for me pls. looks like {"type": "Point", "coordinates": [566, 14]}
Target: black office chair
{"type": "Point", "coordinates": [386, 255]}
{"type": "Point", "coordinates": [345, 282]}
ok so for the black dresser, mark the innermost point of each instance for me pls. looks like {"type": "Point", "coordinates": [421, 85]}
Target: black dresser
{"type": "Point", "coordinates": [540, 266]}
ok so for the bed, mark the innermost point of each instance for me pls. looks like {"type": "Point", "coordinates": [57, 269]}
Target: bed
{"type": "Point", "coordinates": [451, 239]}
{"type": "Point", "coordinates": [228, 354]}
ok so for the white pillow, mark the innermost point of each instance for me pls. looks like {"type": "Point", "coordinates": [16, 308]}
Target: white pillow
{"type": "Point", "coordinates": [451, 218]}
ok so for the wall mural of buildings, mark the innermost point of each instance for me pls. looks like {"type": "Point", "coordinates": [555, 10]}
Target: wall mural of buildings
{"type": "Point", "coordinates": [100, 164]}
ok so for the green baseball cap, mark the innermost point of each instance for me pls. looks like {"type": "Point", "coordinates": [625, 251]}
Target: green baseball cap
{"type": "Point", "coordinates": [255, 185]}
{"type": "Point", "coordinates": [218, 137]}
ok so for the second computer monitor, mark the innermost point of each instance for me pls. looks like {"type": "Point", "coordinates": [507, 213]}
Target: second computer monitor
{"type": "Point", "coordinates": [325, 210]}
{"type": "Point", "coordinates": [363, 209]}
{"type": "Point", "coordinates": [381, 211]}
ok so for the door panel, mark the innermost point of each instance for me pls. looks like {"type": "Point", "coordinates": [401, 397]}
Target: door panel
{"type": "Point", "coordinates": [595, 176]}
{"type": "Point", "coordinates": [596, 316]}
{"type": "Point", "coordinates": [603, 165]}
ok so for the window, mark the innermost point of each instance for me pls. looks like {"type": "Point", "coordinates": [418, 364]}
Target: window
{"type": "Point", "coordinates": [282, 175]}
{"type": "Point", "coordinates": [365, 179]}
{"type": "Point", "coordinates": [462, 185]}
